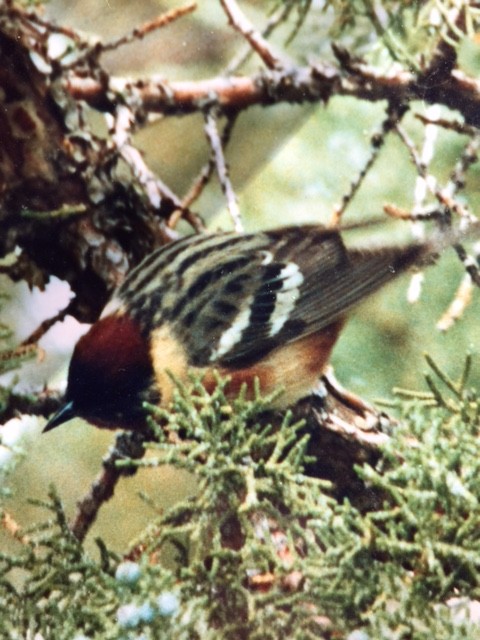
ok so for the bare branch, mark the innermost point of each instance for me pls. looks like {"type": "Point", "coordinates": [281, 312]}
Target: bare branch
{"type": "Point", "coordinates": [444, 198]}
{"type": "Point", "coordinates": [421, 188]}
{"type": "Point", "coordinates": [469, 262]}
{"type": "Point", "coordinates": [255, 39]}
{"type": "Point", "coordinates": [25, 350]}
{"type": "Point", "coordinates": [154, 188]}
{"type": "Point", "coordinates": [152, 25]}
{"type": "Point", "coordinates": [376, 144]}
{"type": "Point", "coordinates": [314, 83]}
{"type": "Point", "coordinates": [272, 23]}
{"type": "Point", "coordinates": [193, 219]}
{"type": "Point", "coordinates": [394, 211]}
{"type": "Point", "coordinates": [205, 173]}
{"type": "Point", "coordinates": [452, 125]}
{"type": "Point", "coordinates": [127, 445]}
{"type": "Point", "coordinates": [47, 324]}
{"type": "Point", "coordinates": [214, 139]}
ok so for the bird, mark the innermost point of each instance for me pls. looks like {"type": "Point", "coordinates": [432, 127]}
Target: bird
{"type": "Point", "coordinates": [266, 306]}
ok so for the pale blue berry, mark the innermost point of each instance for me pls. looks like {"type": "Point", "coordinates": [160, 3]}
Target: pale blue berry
{"type": "Point", "coordinates": [128, 572]}
{"type": "Point", "coordinates": [146, 612]}
{"type": "Point", "coordinates": [128, 615]}
{"type": "Point", "coordinates": [358, 634]}
{"type": "Point", "coordinates": [168, 604]}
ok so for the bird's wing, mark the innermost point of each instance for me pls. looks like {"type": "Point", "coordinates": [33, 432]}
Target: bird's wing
{"type": "Point", "coordinates": [235, 298]}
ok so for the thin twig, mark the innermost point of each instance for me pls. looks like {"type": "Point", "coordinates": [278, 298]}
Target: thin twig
{"type": "Point", "coordinates": [431, 183]}
{"type": "Point", "coordinates": [426, 155]}
{"type": "Point", "coordinates": [376, 144]}
{"type": "Point", "coordinates": [452, 125]}
{"type": "Point", "coordinates": [395, 47]}
{"type": "Point", "coordinates": [446, 199]}
{"type": "Point", "coordinates": [121, 128]}
{"type": "Point", "coordinates": [91, 51]}
{"type": "Point", "coordinates": [193, 219]}
{"type": "Point", "coordinates": [22, 351]}
{"type": "Point", "coordinates": [455, 311]}
{"type": "Point", "coordinates": [271, 25]}
{"type": "Point", "coordinates": [419, 216]}
{"type": "Point", "coordinates": [255, 39]}
{"type": "Point", "coordinates": [42, 329]}
{"type": "Point", "coordinates": [203, 177]}
{"type": "Point", "coordinates": [127, 445]}
{"type": "Point", "coordinates": [414, 290]}
{"type": "Point", "coordinates": [428, 213]}
{"type": "Point", "coordinates": [215, 142]}
{"type": "Point", "coordinates": [205, 173]}
{"type": "Point", "coordinates": [32, 17]}
{"type": "Point", "coordinates": [469, 262]}
{"type": "Point", "coordinates": [152, 25]}
{"type": "Point", "coordinates": [468, 157]}
{"type": "Point", "coordinates": [198, 184]}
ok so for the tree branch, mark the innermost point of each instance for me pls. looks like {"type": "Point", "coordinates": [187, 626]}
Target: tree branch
{"type": "Point", "coordinates": [215, 142]}
{"type": "Point", "coordinates": [254, 38]}
{"type": "Point", "coordinates": [127, 445]}
{"type": "Point", "coordinates": [315, 83]}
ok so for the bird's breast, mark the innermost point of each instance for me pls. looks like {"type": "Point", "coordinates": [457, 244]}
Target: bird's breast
{"type": "Point", "coordinates": [294, 367]}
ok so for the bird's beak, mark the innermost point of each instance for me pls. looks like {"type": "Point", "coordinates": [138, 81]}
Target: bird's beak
{"type": "Point", "coordinates": [63, 415]}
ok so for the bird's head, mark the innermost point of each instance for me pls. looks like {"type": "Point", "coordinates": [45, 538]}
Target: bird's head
{"type": "Point", "coordinates": [110, 376]}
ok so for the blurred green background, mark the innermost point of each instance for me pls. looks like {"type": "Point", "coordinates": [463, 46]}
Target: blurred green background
{"type": "Point", "coordinates": [289, 164]}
